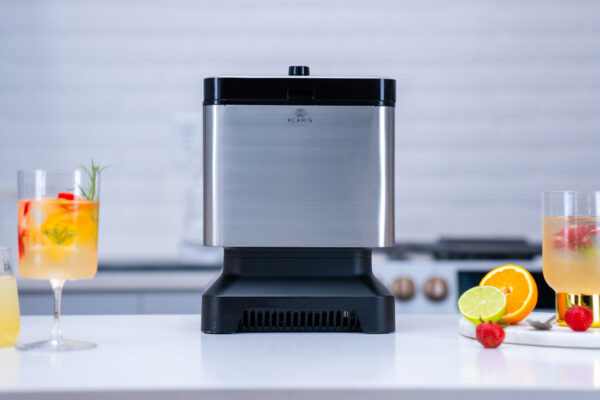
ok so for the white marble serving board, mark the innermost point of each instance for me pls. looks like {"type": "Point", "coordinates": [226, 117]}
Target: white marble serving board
{"type": "Point", "coordinates": [558, 336]}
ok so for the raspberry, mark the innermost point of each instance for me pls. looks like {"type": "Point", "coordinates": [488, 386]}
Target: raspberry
{"type": "Point", "coordinates": [579, 318]}
{"type": "Point", "coordinates": [575, 236]}
{"type": "Point", "coordinates": [490, 334]}
{"type": "Point", "coordinates": [566, 237]}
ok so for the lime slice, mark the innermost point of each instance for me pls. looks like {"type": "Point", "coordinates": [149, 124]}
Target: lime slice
{"type": "Point", "coordinates": [485, 303]}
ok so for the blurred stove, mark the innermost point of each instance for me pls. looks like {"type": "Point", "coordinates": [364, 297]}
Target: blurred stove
{"type": "Point", "coordinates": [469, 249]}
{"type": "Point", "coordinates": [429, 277]}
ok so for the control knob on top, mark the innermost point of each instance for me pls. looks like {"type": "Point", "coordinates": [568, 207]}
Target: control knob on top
{"type": "Point", "coordinates": [299, 70]}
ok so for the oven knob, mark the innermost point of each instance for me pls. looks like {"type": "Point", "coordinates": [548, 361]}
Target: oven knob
{"type": "Point", "coordinates": [403, 288]}
{"type": "Point", "coordinates": [436, 288]}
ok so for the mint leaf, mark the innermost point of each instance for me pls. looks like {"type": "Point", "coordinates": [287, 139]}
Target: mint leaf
{"type": "Point", "coordinates": [589, 251]}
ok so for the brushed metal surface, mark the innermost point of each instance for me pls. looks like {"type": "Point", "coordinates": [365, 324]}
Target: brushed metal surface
{"type": "Point", "coordinates": [298, 176]}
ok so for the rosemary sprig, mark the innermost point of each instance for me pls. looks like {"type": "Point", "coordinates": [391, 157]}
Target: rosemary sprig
{"type": "Point", "coordinates": [92, 173]}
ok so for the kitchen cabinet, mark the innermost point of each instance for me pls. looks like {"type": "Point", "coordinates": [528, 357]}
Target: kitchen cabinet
{"type": "Point", "coordinates": [142, 292]}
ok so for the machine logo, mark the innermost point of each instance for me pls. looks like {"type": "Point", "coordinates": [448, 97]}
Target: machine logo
{"type": "Point", "coordinates": [299, 117]}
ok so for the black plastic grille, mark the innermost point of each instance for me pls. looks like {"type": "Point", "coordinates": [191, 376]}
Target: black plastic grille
{"type": "Point", "coordinates": [269, 320]}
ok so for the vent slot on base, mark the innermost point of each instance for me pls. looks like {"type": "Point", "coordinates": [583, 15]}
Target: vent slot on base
{"type": "Point", "coordinates": [269, 320]}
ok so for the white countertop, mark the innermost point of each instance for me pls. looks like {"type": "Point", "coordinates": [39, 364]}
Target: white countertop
{"type": "Point", "coordinates": [155, 357]}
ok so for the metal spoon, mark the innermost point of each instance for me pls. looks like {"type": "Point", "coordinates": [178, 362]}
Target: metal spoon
{"type": "Point", "coordinates": [542, 325]}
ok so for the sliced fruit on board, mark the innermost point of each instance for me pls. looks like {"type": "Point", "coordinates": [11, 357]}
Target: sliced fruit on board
{"type": "Point", "coordinates": [520, 289]}
{"type": "Point", "coordinates": [482, 304]}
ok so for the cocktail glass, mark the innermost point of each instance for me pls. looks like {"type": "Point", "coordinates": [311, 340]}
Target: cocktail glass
{"type": "Point", "coordinates": [571, 250]}
{"type": "Point", "coordinates": [58, 237]}
{"type": "Point", "coordinates": [10, 321]}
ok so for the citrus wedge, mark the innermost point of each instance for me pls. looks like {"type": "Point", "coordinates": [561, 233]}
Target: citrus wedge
{"type": "Point", "coordinates": [482, 303]}
{"type": "Point", "coordinates": [520, 289]}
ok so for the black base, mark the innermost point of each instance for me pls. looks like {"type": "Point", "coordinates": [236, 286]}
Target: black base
{"type": "Point", "coordinates": [297, 290]}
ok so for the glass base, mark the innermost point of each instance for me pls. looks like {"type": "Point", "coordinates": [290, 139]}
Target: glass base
{"type": "Point", "coordinates": [52, 345]}
{"type": "Point", "coordinates": [564, 301]}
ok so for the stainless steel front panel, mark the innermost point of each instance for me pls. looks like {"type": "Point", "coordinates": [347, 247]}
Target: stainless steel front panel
{"type": "Point", "coordinates": [298, 176]}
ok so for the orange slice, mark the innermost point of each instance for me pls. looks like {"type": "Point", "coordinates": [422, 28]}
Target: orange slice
{"type": "Point", "coordinates": [520, 288]}
{"type": "Point", "coordinates": [68, 227]}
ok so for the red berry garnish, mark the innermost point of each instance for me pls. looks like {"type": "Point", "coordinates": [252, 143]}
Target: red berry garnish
{"type": "Point", "coordinates": [559, 240]}
{"type": "Point", "coordinates": [22, 238]}
{"type": "Point", "coordinates": [566, 237]}
{"type": "Point", "coordinates": [575, 236]}
{"type": "Point", "coordinates": [490, 334]}
{"type": "Point", "coordinates": [579, 318]}
{"type": "Point", "coordinates": [69, 196]}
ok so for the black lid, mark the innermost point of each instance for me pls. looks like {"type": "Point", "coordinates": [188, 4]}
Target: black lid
{"type": "Point", "coordinates": [299, 89]}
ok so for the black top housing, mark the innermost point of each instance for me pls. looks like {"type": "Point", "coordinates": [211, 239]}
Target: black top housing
{"type": "Point", "coordinates": [300, 90]}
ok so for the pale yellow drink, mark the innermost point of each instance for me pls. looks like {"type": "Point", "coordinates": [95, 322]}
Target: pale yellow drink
{"type": "Point", "coordinates": [571, 254]}
{"type": "Point", "coordinates": [58, 238]}
{"type": "Point", "coordinates": [10, 322]}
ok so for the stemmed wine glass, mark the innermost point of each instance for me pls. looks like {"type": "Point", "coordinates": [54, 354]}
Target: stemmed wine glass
{"type": "Point", "coordinates": [58, 236]}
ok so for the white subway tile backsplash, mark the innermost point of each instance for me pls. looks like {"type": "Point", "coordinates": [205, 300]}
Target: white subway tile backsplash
{"type": "Point", "coordinates": [497, 100]}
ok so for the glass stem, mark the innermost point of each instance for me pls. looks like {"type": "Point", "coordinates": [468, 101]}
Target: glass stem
{"type": "Point", "coordinates": [57, 287]}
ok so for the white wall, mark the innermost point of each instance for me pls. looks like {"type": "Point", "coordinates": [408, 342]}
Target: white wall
{"type": "Point", "coordinates": [497, 100]}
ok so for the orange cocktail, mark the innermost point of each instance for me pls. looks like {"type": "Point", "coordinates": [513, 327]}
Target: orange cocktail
{"type": "Point", "coordinates": [58, 237]}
